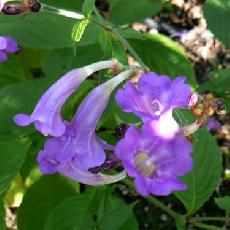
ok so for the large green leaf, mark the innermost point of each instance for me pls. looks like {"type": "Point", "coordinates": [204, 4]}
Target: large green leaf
{"type": "Point", "coordinates": [12, 155]}
{"type": "Point", "coordinates": [205, 174]}
{"type": "Point", "coordinates": [40, 199]}
{"type": "Point", "coordinates": [19, 98]}
{"type": "Point", "coordinates": [73, 213]}
{"type": "Point", "coordinates": [11, 71]}
{"type": "Point", "coordinates": [2, 216]}
{"type": "Point", "coordinates": [71, 5]}
{"type": "Point", "coordinates": [217, 15]}
{"type": "Point", "coordinates": [164, 56]}
{"type": "Point", "coordinates": [45, 30]}
{"type": "Point", "coordinates": [128, 11]}
{"type": "Point", "coordinates": [118, 218]}
{"type": "Point", "coordinates": [224, 203]}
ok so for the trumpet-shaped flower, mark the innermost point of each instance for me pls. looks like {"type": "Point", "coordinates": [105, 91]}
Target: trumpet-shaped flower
{"type": "Point", "coordinates": [47, 113]}
{"type": "Point", "coordinates": [7, 46]}
{"type": "Point", "coordinates": [154, 162]}
{"type": "Point", "coordinates": [79, 149]}
{"type": "Point", "coordinates": [154, 100]}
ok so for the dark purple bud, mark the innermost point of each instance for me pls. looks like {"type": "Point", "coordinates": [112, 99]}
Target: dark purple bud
{"type": "Point", "coordinates": [95, 170]}
{"type": "Point", "coordinates": [11, 10]}
{"type": "Point", "coordinates": [121, 129]}
{"type": "Point", "coordinates": [35, 7]}
{"type": "Point", "coordinates": [218, 105]}
{"type": "Point", "coordinates": [110, 162]}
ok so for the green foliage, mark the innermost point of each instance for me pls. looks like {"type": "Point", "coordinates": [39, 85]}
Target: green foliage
{"type": "Point", "coordinates": [41, 30]}
{"type": "Point", "coordinates": [79, 29]}
{"type": "Point", "coordinates": [19, 98]}
{"type": "Point", "coordinates": [223, 203]}
{"type": "Point", "coordinates": [218, 84]}
{"type": "Point", "coordinates": [217, 15]}
{"type": "Point", "coordinates": [94, 208]}
{"type": "Point", "coordinates": [12, 155]}
{"type": "Point", "coordinates": [164, 56]}
{"type": "Point", "coordinates": [128, 11]}
{"type": "Point", "coordinates": [204, 177]}
{"type": "Point", "coordinates": [2, 215]}
{"type": "Point", "coordinates": [88, 6]}
{"type": "Point", "coordinates": [40, 199]}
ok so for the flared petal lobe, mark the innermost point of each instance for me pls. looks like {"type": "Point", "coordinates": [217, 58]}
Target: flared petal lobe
{"type": "Point", "coordinates": [154, 96]}
{"type": "Point", "coordinates": [155, 163]}
{"type": "Point", "coordinates": [47, 113]}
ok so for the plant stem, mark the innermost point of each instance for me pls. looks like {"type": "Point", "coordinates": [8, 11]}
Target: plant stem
{"type": "Point", "coordinates": [206, 226]}
{"type": "Point", "coordinates": [129, 47]}
{"type": "Point", "coordinates": [63, 12]}
{"type": "Point", "coordinates": [214, 218]}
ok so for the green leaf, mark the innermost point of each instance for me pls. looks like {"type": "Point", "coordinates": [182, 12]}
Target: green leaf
{"type": "Point", "coordinates": [117, 218]}
{"type": "Point", "coordinates": [218, 84]}
{"type": "Point", "coordinates": [129, 11]}
{"type": "Point", "coordinates": [180, 223]}
{"type": "Point", "coordinates": [74, 213]}
{"type": "Point", "coordinates": [224, 203]}
{"type": "Point", "coordinates": [112, 47]}
{"type": "Point", "coordinates": [19, 98]}
{"type": "Point", "coordinates": [204, 177]}
{"type": "Point", "coordinates": [40, 30]}
{"type": "Point", "coordinates": [2, 215]}
{"type": "Point", "coordinates": [78, 29]}
{"type": "Point", "coordinates": [12, 155]}
{"type": "Point", "coordinates": [164, 56]}
{"type": "Point", "coordinates": [88, 6]}
{"type": "Point", "coordinates": [40, 199]}
{"type": "Point", "coordinates": [217, 15]}
{"type": "Point", "coordinates": [72, 5]}
{"type": "Point", "coordinates": [11, 71]}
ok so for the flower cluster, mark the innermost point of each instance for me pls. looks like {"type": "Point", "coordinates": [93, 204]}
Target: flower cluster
{"type": "Point", "coordinates": [157, 154]}
{"type": "Point", "coordinates": [74, 148]}
{"type": "Point", "coordinates": [7, 46]}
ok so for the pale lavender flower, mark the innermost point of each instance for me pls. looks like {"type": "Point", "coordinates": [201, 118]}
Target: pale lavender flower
{"type": "Point", "coordinates": [47, 113]}
{"type": "Point", "coordinates": [79, 149]}
{"type": "Point", "coordinates": [154, 100]}
{"type": "Point", "coordinates": [2, 2]}
{"type": "Point", "coordinates": [156, 163]}
{"type": "Point", "coordinates": [7, 46]}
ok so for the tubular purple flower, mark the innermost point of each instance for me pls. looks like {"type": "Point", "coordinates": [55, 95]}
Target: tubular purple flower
{"type": "Point", "coordinates": [156, 163]}
{"type": "Point", "coordinates": [7, 46]}
{"type": "Point", "coordinates": [79, 149]}
{"type": "Point", "coordinates": [47, 113]}
{"type": "Point", "coordinates": [154, 100]}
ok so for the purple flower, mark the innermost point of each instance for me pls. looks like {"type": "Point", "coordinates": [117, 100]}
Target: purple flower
{"type": "Point", "coordinates": [47, 113]}
{"type": "Point", "coordinates": [7, 46]}
{"type": "Point", "coordinates": [154, 100]}
{"type": "Point", "coordinates": [2, 2]}
{"type": "Point", "coordinates": [154, 162]}
{"type": "Point", "coordinates": [213, 125]}
{"type": "Point", "coordinates": [79, 149]}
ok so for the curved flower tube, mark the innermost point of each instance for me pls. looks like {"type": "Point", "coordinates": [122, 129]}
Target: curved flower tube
{"type": "Point", "coordinates": [79, 149]}
{"type": "Point", "coordinates": [47, 113]}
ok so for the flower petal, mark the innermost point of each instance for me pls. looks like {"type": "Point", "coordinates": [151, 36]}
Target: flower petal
{"type": "Point", "coordinates": [47, 113]}
{"type": "Point", "coordinates": [85, 177]}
